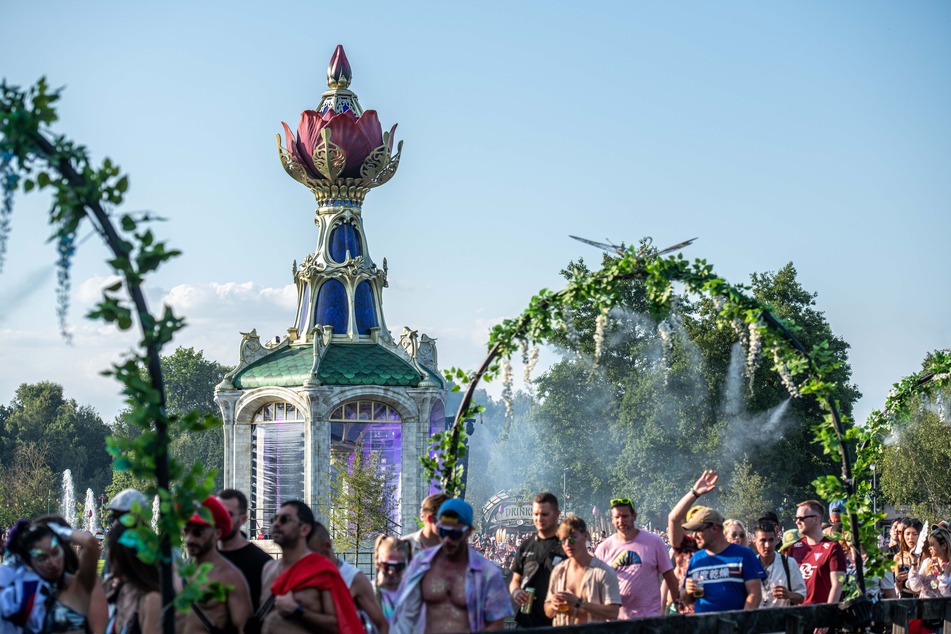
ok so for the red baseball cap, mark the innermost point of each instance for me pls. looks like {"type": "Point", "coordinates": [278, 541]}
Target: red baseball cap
{"type": "Point", "coordinates": [218, 512]}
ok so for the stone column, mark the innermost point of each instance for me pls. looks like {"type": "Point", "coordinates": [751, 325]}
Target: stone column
{"type": "Point", "coordinates": [317, 452]}
{"type": "Point", "coordinates": [226, 401]}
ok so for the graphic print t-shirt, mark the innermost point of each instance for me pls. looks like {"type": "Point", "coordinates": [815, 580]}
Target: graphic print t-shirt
{"type": "Point", "coordinates": [534, 560]}
{"type": "Point", "coordinates": [639, 564]}
{"type": "Point", "coordinates": [724, 577]}
{"type": "Point", "coordinates": [817, 564]}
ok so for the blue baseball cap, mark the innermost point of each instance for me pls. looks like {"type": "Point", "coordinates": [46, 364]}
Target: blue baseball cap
{"type": "Point", "coordinates": [837, 507]}
{"type": "Point", "coordinates": [456, 510]}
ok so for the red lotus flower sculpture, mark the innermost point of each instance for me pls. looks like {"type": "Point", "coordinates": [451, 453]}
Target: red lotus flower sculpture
{"type": "Point", "coordinates": [332, 146]}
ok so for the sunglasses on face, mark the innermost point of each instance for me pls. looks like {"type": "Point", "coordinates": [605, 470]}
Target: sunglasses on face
{"type": "Point", "coordinates": [455, 534]}
{"type": "Point", "coordinates": [737, 535]}
{"type": "Point", "coordinates": [391, 568]}
{"type": "Point", "coordinates": [284, 518]}
{"type": "Point", "coordinates": [701, 529]}
{"type": "Point", "coordinates": [802, 518]}
{"type": "Point", "coordinates": [571, 539]}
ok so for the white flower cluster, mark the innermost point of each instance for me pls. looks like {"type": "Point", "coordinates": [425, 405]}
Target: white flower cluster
{"type": "Point", "coordinates": [666, 333]}
{"type": "Point", "coordinates": [506, 366]}
{"type": "Point", "coordinates": [753, 351]}
{"type": "Point", "coordinates": [529, 361]}
{"type": "Point", "coordinates": [785, 375]}
{"type": "Point", "coordinates": [599, 324]}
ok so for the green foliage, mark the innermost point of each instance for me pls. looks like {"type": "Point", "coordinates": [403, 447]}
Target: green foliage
{"type": "Point", "coordinates": [82, 192]}
{"type": "Point", "coordinates": [28, 487]}
{"type": "Point", "coordinates": [745, 499]}
{"type": "Point", "coordinates": [808, 368]}
{"type": "Point", "coordinates": [914, 471]}
{"type": "Point", "coordinates": [363, 497]}
{"type": "Point", "coordinates": [73, 435]}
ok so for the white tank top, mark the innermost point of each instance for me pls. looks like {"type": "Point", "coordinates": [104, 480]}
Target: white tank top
{"type": "Point", "coordinates": [348, 571]}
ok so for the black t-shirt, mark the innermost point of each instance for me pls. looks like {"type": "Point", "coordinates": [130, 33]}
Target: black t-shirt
{"type": "Point", "coordinates": [534, 560]}
{"type": "Point", "coordinates": [250, 560]}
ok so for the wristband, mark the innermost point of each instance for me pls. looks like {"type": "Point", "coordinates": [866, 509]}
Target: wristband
{"type": "Point", "coordinates": [578, 604]}
{"type": "Point", "coordinates": [695, 494]}
{"type": "Point", "coordinates": [298, 612]}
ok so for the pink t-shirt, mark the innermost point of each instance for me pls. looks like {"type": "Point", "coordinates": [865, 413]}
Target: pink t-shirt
{"type": "Point", "coordinates": [639, 564]}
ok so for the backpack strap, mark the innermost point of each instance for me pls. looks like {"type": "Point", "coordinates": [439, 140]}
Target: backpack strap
{"type": "Point", "coordinates": [205, 621]}
{"type": "Point", "coordinates": [264, 608]}
{"type": "Point", "coordinates": [786, 568]}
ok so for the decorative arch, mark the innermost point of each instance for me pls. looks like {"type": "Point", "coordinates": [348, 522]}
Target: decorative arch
{"type": "Point", "coordinates": [249, 402]}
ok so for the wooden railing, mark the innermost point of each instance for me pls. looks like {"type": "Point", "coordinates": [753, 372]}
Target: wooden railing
{"type": "Point", "coordinates": [892, 615]}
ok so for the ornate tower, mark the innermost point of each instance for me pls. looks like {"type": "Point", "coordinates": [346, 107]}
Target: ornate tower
{"type": "Point", "coordinates": [338, 380]}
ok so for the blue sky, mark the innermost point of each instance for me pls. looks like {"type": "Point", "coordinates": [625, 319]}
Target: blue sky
{"type": "Point", "coordinates": [808, 132]}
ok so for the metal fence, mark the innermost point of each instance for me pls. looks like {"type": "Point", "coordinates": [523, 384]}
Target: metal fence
{"type": "Point", "coordinates": [892, 616]}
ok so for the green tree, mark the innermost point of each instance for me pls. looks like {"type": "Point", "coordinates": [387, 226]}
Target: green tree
{"type": "Point", "coordinates": [73, 435]}
{"type": "Point", "coordinates": [745, 499]}
{"type": "Point", "coordinates": [363, 497]}
{"type": "Point", "coordinates": [660, 398]}
{"type": "Point", "coordinates": [27, 484]}
{"type": "Point", "coordinates": [190, 381]}
{"type": "Point", "coordinates": [914, 472]}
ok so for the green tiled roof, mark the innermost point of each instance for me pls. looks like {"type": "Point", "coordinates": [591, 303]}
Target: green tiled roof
{"type": "Point", "coordinates": [342, 364]}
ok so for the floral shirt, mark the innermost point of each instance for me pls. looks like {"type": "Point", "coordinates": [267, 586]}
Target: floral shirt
{"type": "Point", "coordinates": [487, 596]}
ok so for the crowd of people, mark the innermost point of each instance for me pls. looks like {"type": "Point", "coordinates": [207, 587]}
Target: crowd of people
{"type": "Point", "coordinates": [445, 577]}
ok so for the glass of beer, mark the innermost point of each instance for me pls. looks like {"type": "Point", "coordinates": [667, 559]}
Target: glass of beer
{"type": "Point", "coordinates": [698, 588]}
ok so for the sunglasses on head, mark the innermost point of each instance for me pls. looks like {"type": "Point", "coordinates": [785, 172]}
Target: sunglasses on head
{"type": "Point", "coordinates": [284, 518]}
{"type": "Point", "coordinates": [622, 502]}
{"type": "Point", "coordinates": [766, 527]}
{"type": "Point", "coordinates": [455, 534]}
{"type": "Point", "coordinates": [390, 568]}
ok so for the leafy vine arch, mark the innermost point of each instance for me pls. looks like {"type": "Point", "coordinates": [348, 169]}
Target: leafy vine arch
{"type": "Point", "coordinates": [804, 372]}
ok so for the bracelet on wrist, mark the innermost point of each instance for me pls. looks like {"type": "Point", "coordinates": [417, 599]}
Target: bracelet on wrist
{"type": "Point", "coordinates": [578, 604]}
{"type": "Point", "coordinates": [695, 494]}
{"type": "Point", "coordinates": [298, 612]}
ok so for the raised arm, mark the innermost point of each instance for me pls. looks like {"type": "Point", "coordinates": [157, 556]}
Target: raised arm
{"type": "Point", "coordinates": [675, 519]}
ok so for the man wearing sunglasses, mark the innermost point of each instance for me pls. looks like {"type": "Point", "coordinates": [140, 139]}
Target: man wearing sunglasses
{"type": "Point", "coordinates": [721, 576]}
{"type": "Point", "coordinates": [201, 540]}
{"type": "Point", "coordinates": [534, 560]}
{"type": "Point", "coordinates": [308, 592]}
{"type": "Point", "coordinates": [821, 561]}
{"type": "Point", "coordinates": [451, 588]}
{"type": "Point", "coordinates": [640, 560]}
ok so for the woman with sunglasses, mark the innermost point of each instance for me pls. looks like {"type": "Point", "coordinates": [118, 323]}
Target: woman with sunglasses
{"type": "Point", "coordinates": [391, 556]}
{"type": "Point", "coordinates": [44, 549]}
{"type": "Point", "coordinates": [906, 559]}
{"type": "Point", "coordinates": [735, 533]}
{"type": "Point", "coordinates": [931, 578]}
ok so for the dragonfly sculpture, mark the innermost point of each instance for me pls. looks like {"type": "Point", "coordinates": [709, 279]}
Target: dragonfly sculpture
{"type": "Point", "coordinates": [620, 250]}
